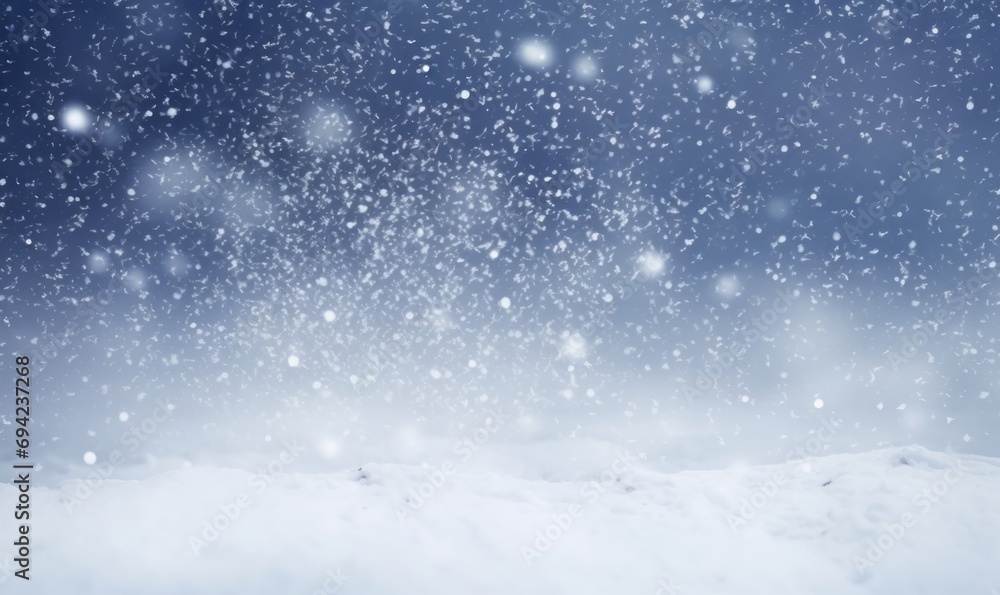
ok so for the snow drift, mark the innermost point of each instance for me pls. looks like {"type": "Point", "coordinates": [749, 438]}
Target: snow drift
{"type": "Point", "coordinates": [903, 520]}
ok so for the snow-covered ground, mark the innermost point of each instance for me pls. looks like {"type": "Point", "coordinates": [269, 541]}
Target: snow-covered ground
{"type": "Point", "coordinates": [901, 520]}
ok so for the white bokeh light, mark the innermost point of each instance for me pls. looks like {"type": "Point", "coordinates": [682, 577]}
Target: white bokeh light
{"type": "Point", "coordinates": [328, 129]}
{"type": "Point", "coordinates": [135, 279]}
{"type": "Point", "coordinates": [440, 320]}
{"type": "Point", "coordinates": [652, 263]}
{"type": "Point", "coordinates": [705, 84]}
{"type": "Point", "coordinates": [778, 208]}
{"type": "Point", "coordinates": [573, 346]}
{"type": "Point", "coordinates": [740, 38]}
{"type": "Point", "coordinates": [177, 265]}
{"type": "Point", "coordinates": [99, 261]}
{"type": "Point", "coordinates": [728, 286]}
{"type": "Point", "coordinates": [586, 68]}
{"type": "Point", "coordinates": [536, 53]}
{"type": "Point", "coordinates": [76, 119]}
{"type": "Point", "coordinates": [329, 448]}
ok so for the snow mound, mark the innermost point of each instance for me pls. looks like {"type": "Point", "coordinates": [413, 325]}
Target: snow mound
{"type": "Point", "coordinates": [903, 520]}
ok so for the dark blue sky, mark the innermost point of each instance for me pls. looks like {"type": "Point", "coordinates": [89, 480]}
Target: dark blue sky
{"type": "Point", "coordinates": [271, 177]}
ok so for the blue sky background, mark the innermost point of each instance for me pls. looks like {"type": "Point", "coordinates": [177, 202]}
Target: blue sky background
{"type": "Point", "coordinates": [272, 178]}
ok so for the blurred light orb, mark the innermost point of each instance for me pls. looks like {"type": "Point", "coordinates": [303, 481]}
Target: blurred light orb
{"type": "Point", "coordinates": [536, 53]}
{"type": "Point", "coordinates": [135, 279]}
{"type": "Point", "coordinates": [99, 262]}
{"type": "Point", "coordinates": [177, 265]}
{"type": "Point", "coordinates": [778, 208]}
{"type": "Point", "coordinates": [573, 347]}
{"type": "Point", "coordinates": [329, 448]}
{"type": "Point", "coordinates": [586, 68]}
{"type": "Point", "coordinates": [76, 119]}
{"type": "Point", "coordinates": [740, 38]}
{"type": "Point", "coordinates": [652, 263]}
{"type": "Point", "coordinates": [728, 286]}
{"type": "Point", "coordinates": [328, 129]}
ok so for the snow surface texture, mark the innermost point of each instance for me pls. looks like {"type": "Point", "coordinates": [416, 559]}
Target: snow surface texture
{"type": "Point", "coordinates": [902, 520]}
